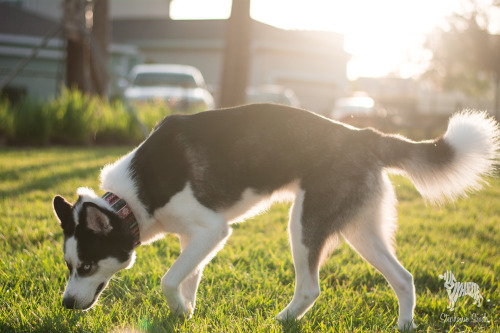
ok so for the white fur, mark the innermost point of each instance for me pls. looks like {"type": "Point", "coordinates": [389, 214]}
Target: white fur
{"type": "Point", "coordinates": [252, 204]}
{"type": "Point", "coordinates": [83, 289]}
{"type": "Point", "coordinates": [115, 178]}
{"type": "Point", "coordinates": [70, 252]}
{"type": "Point", "coordinates": [306, 281]}
{"type": "Point", "coordinates": [87, 195]}
{"type": "Point", "coordinates": [474, 137]}
{"type": "Point", "coordinates": [204, 232]}
{"type": "Point", "coordinates": [371, 236]}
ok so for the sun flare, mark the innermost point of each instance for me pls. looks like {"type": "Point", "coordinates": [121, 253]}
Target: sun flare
{"type": "Point", "coordinates": [382, 36]}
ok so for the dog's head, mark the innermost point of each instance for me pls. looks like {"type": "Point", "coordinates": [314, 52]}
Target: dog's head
{"type": "Point", "coordinates": [97, 244]}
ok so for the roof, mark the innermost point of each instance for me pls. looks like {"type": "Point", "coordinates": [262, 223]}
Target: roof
{"type": "Point", "coordinates": [127, 30]}
{"type": "Point", "coordinates": [143, 30]}
{"type": "Point", "coordinates": [17, 21]}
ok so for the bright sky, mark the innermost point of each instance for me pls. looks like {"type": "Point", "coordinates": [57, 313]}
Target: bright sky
{"type": "Point", "coordinates": [381, 35]}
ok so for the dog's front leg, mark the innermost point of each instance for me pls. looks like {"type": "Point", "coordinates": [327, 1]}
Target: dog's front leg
{"type": "Point", "coordinates": [202, 245]}
{"type": "Point", "coordinates": [189, 286]}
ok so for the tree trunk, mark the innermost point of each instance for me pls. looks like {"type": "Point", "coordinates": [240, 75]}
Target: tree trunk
{"type": "Point", "coordinates": [87, 43]}
{"type": "Point", "coordinates": [75, 65]}
{"type": "Point", "coordinates": [101, 32]}
{"type": "Point", "coordinates": [237, 55]}
{"type": "Point", "coordinates": [77, 49]}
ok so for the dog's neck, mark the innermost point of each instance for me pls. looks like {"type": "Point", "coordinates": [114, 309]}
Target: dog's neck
{"type": "Point", "coordinates": [123, 210]}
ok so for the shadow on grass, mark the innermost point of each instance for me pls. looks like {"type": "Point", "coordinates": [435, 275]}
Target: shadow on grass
{"type": "Point", "coordinates": [17, 173]}
{"type": "Point", "coordinates": [45, 183]}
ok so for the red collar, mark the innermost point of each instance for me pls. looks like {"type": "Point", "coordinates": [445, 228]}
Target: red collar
{"type": "Point", "coordinates": [123, 210]}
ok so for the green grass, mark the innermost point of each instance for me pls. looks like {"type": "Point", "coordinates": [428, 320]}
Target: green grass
{"type": "Point", "coordinates": [252, 278]}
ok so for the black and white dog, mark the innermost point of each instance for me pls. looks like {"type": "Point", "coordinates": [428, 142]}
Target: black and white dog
{"type": "Point", "coordinates": [197, 174]}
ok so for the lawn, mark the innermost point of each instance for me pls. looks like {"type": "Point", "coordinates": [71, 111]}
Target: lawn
{"type": "Point", "coordinates": [252, 278]}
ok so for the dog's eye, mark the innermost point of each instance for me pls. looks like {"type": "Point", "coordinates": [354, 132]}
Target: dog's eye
{"type": "Point", "coordinates": [85, 269]}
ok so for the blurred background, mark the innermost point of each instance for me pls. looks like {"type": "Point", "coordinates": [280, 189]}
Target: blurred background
{"type": "Point", "coordinates": [397, 65]}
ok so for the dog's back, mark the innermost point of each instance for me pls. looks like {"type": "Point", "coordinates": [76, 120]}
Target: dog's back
{"type": "Point", "coordinates": [263, 147]}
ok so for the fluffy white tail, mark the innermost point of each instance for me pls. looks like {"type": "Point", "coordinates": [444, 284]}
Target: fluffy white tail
{"type": "Point", "coordinates": [458, 162]}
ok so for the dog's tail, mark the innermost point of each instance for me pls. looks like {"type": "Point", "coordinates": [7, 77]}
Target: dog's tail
{"type": "Point", "coordinates": [452, 165]}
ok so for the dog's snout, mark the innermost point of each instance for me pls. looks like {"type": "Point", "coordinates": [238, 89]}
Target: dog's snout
{"type": "Point", "coordinates": [69, 302]}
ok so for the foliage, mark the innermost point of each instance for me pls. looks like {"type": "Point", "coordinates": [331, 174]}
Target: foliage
{"type": "Point", "coordinates": [30, 123]}
{"type": "Point", "coordinates": [76, 118]}
{"type": "Point", "coordinates": [252, 278]}
{"type": "Point", "coordinates": [465, 54]}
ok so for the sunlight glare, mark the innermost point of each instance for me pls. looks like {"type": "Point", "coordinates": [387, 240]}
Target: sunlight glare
{"type": "Point", "coordinates": [382, 36]}
{"type": "Point", "coordinates": [200, 9]}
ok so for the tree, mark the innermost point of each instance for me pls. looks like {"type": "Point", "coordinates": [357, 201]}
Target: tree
{"type": "Point", "coordinates": [466, 56]}
{"type": "Point", "coordinates": [77, 49]}
{"type": "Point", "coordinates": [87, 30]}
{"type": "Point", "coordinates": [100, 37]}
{"type": "Point", "coordinates": [237, 55]}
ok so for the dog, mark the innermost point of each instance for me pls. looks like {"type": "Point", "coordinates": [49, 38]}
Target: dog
{"type": "Point", "coordinates": [459, 289]}
{"type": "Point", "coordinates": [197, 174]}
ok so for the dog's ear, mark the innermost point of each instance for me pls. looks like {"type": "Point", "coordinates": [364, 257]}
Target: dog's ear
{"type": "Point", "coordinates": [97, 221]}
{"type": "Point", "coordinates": [64, 212]}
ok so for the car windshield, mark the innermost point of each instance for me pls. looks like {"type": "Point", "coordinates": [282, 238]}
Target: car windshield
{"type": "Point", "coordinates": [164, 79]}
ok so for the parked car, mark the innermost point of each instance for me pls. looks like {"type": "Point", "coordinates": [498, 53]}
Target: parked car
{"type": "Point", "coordinates": [358, 111]}
{"type": "Point", "coordinates": [181, 86]}
{"type": "Point", "coordinates": [272, 94]}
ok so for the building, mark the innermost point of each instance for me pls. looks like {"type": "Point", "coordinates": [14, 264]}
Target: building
{"type": "Point", "coordinates": [21, 31]}
{"type": "Point", "coordinates": [312, 63]}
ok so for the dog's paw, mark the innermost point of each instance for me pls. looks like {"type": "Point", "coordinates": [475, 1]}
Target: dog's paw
{"type": "Point", "coordinates": [406, 326]}
{"type": "Point", "coordinates": [177, 304]}
{"type": "Point", "coordinates": [285, 316]}
{"type": "Point", "coordinates": [181, 310]}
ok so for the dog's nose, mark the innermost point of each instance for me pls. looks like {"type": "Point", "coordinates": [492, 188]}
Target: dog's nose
{"type": "Point", "coordinates": [69, 302]}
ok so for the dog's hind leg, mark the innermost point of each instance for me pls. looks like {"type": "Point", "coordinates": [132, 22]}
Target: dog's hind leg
{"type": "Point", "coordinates": [307, 287]}
{"type": "Point", "coordinates": [370, 235]}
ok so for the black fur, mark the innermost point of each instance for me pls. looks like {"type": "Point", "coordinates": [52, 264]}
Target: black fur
{"type": "Point", "coordinates": [264, 147]}
{"type": "Point", "coordinates": [92, 246]}
{"type": "Point", "coordinates": [394, 151]}
{"type": "Point", "coordinates": [64, 212]}
{"type": "Point", "coordinates": [221, 153]}
{"type": "Point", "coordinates": [160, 175]}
